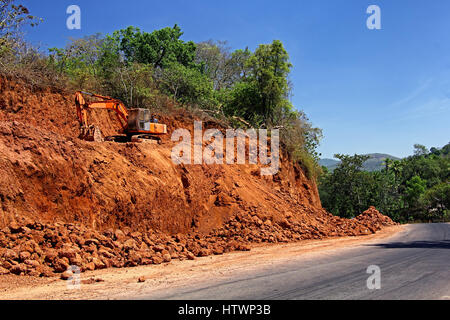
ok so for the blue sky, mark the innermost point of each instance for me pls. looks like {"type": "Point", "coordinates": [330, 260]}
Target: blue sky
{"type": "Point", "coordinates": [369, 90]}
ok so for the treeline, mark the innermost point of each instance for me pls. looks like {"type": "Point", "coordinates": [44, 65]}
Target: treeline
{"type": "Point", "coordinates": [416, 188]}
{"type": "Point", "coordinates": [244, 88]}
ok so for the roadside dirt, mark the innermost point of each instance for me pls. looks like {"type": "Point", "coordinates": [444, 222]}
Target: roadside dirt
{"type": "Point", "coordinates": [125, 283]}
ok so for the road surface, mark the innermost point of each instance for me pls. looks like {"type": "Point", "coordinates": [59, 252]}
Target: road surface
{"type": "Point", "coordinates": [414, 264]}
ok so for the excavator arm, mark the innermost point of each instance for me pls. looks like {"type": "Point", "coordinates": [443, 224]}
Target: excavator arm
{"type": "Point", "coordinates": [102, 103]}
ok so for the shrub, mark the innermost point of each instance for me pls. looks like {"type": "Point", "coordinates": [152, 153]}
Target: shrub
{"type": "Point", "coordinates": [20, 61]}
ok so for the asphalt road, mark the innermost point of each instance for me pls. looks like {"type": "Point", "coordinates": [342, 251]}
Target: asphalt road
{"type": "Point", "coordinates": [414, 264]}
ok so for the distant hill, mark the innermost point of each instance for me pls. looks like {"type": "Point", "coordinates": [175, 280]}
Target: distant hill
{"type": "Point", "coordinates": [375, 163]}
{"type": "Point", "coordinates": [331, 164]}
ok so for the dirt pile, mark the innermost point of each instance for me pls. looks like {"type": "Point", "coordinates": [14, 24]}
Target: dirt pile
{"type": "Point", "coordinates": [57, 192]}
{"type": "Point", "coordinates": [374, 220]}
{"type": "Point", "coordinates": [39, 249]}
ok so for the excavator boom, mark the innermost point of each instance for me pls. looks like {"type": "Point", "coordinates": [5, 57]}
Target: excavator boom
{"type": "Point", "coordinates": [103, 103]}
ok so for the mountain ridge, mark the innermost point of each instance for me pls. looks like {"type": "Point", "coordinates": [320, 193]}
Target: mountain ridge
{"type": "Point", "coordinates": [375, 163]}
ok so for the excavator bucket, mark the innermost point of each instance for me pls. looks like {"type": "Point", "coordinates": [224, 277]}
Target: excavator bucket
{"type": "Point", "coordinates": [91, 133]}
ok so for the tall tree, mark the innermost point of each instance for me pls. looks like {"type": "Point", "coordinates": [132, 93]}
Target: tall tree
{"type": "Point", "coordinates": [420, 150]}
{"type": "Point", "coordinates": [161, 48]}
{"type": "Point", "coordinates": [222, 66]}
{"type": "Point", "coordinates": [261, 97]}
{"type": "Point", "coordinates": [269, 69]}
{"type": "Point", "coordinates": [438, 198]}
{"type": "Point", "coordinates": [344, 191]}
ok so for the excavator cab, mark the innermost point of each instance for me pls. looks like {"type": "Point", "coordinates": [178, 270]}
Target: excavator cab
{"type": "Point", "coordinates": [140, 122]}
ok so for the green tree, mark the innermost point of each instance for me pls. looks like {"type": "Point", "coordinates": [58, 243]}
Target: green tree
{"type": "Point", "coordinates": [80, 61]}
{"type": "Point", "coordinates": [161, 48]}
{"type": "Point", "coordinates": [420, 150]}
{"type": "Point", "coordinates": [223, 67]}
{"type": "Point", "coordinates": [344, 191]}
{"type": "Point", "coordinates": [415, 188]}
{"type": "Point", "coordinates": [261, 97]}
{"type": "Point", "coordinates": [438, 199]}
{"type": "Point", "coordinates": [187, 85]}
{"type": "Point", "coordinates": [133, 84]}
{"type": "Point", "coordinates": [269, 69]}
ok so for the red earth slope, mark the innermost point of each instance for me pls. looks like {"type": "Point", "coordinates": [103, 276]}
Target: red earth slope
{"type": "Point", "coordinates": [67, 201]}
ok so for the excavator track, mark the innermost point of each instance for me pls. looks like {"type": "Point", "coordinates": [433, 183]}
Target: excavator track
{"type": "Point", "coordinates": [150, 137]}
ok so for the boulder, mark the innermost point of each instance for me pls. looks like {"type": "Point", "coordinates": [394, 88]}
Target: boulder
{"type": "Point", "coordinates": [10, 255]}
{"type": "Point", "coordinates": [60, 265]}
{"type": "Point", "coordinates": [3, 271]}
{"type": "Point", "coordinates": [166, 257]}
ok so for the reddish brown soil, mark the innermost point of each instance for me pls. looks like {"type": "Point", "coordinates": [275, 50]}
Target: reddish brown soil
{"type": "Point", "coordinates": [57, 192]}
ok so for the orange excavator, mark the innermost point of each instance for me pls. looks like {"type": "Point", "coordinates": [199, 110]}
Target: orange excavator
{"type": "Point", "coordinates": [136, 124]}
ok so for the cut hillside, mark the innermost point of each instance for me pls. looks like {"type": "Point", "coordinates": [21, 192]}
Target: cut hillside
{"type": "Point", "coordinates": [67, 201]}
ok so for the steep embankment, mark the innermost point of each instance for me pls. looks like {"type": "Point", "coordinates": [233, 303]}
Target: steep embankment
{"type": "Point", "coordinates": [67, 201]}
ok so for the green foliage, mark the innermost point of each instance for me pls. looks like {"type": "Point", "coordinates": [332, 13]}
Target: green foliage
{"type": "Point", "coordinates": [79, 60]}
{"type": "Point", "coordinates": [94, 63]}
{"type": "Point", "coordinates": [259, 96]}
{"type": "Point", "coordinates": [161, 48]}
{"type": "Point", "coordinates": [300, 139]}
{"type": "Point", "coordinates": [187, 85]}
{"type": "Point", "coordinates": [444, 152]}
{"type": "Point", "coordinates": [240, 101]}
{"type": "Point", "coordinates": [264, 87]}
{"type": "Point", "coordinates": [437, 199]}
{"type": "Point", "coordinates": [344, 191]}
{"type": "Point", "coordinates": [420, 150]}
{"type": "Point", "coordinates": [308, 163]}
{"type": "Point", "coordinates": [414, 188]}
{"type": "Point", "coordinates": [223, 67]}
{"type": "Point", "coordinates": [133, 84]}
